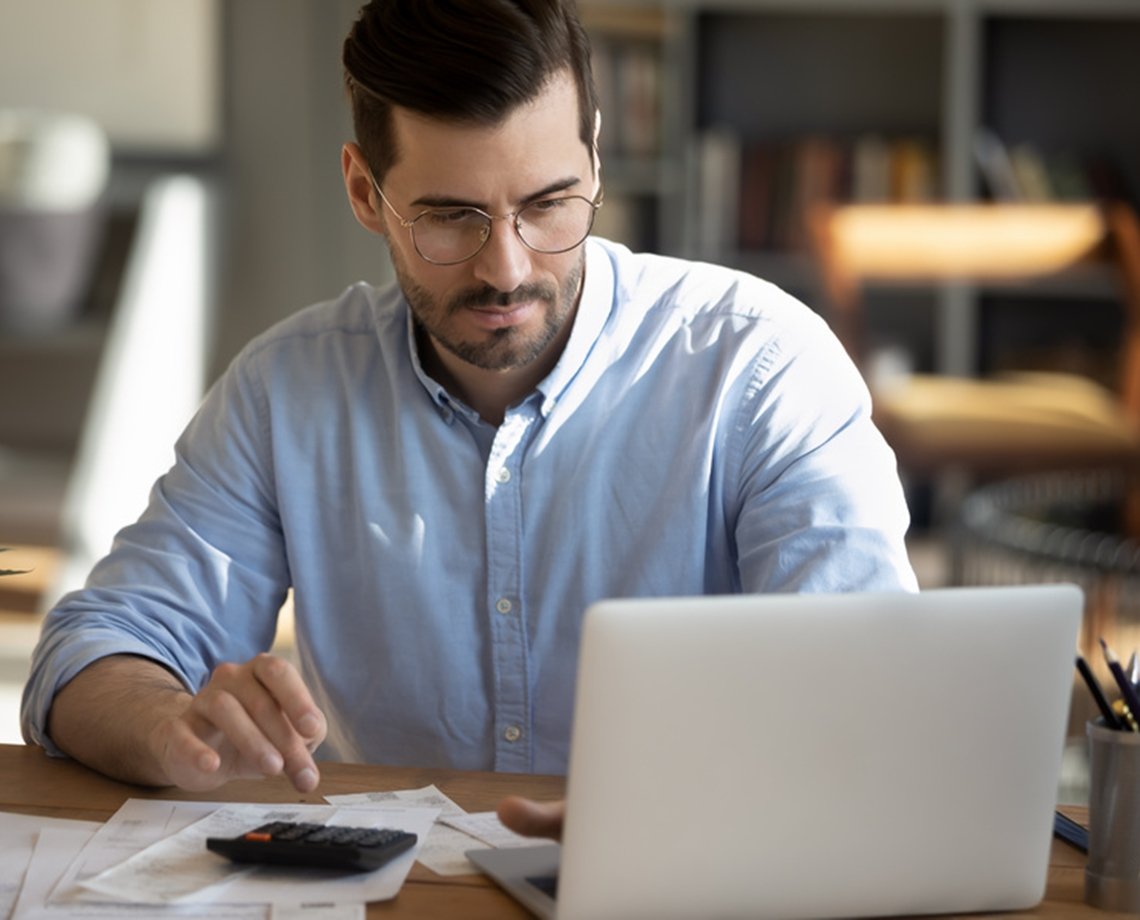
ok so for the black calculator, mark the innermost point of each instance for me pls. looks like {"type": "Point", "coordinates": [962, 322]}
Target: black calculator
{"type": "Point", "coordinates": [319, 846]}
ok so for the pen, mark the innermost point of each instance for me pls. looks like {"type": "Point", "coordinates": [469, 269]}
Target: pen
{"type": "Point", "coordinates": [1127, 691]}
{"type": "Point", "coordinates": [1124, 714]}
{"type": "Point", "coordinates": [1110, 719]}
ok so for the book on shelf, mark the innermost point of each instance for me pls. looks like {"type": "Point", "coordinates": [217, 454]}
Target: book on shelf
{"type": "Point", "coordinates": [627, 74]}
{"type": "Point", "coordinates": [1024, 172]}
{"type": "Point", "coordinates": [755, 195]}
{"type": "Point", "coordinates": [1068, 177]}
{"type": "Point", "coordinates": [718, 157]}
{"type": "Point", "coordinates": [913, 171]}
{"type": "Point", "coordinates": [815, 176]}
{"type": "Point", "coordinates": [870, 169]}
{"type": "Point", "coordinates": [1031, 177]}
{"type": "Point", "coordinates": [996, 166]}
{"type": "Point", "coordinates": [757, 190]}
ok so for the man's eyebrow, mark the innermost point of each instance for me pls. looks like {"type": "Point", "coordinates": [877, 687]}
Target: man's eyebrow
{"type": "Point", "coordinates": [444, 201]}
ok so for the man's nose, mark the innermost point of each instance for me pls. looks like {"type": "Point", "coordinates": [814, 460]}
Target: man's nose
{"type": "Point", "coordinates": [505, 261]}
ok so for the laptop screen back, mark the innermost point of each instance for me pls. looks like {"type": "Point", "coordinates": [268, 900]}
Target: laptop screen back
{"type": "Point", "coordinates": [817, 755]}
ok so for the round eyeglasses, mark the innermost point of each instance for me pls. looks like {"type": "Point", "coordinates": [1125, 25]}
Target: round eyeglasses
{"type": "Point", "coordinates": [448, 236]}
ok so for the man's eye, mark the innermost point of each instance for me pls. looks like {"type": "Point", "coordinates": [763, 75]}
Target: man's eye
{"type": "Point", "coordinates": [452, 217]}
{"type": "Point", "coordinates": [547, 204]}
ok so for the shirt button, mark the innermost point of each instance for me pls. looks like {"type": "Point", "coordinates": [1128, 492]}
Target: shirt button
{"type": "Point", "coordinates": [504, 475]}
{"type": "Point", "coordinates": [503, 605]}
{"type": "Point", "coordinates": [512, 733]}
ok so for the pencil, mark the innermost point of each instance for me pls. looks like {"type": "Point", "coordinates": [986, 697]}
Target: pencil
{"type": "Point", "coordinates": [1110, 719]}
{"type": "Point", "coordinates": [1127, 691]}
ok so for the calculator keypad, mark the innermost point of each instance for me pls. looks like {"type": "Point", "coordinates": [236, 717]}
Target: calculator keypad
{"type": "Point", "coordinates": [295, 843]}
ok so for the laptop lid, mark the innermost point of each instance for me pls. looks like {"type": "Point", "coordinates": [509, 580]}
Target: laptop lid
{"type": "Point", "coordinates": [816, 755]}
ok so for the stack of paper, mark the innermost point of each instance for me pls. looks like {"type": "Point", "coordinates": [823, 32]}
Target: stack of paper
{"type": "Point", "coordinates": [150, 859]}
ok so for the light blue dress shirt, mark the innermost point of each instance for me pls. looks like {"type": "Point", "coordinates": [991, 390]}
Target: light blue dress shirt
{"type": "Point", "coordinates": [702, 433]}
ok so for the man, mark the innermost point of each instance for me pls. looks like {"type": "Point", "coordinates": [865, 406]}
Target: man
{"type": "Point", "coordinates": [449, 470]}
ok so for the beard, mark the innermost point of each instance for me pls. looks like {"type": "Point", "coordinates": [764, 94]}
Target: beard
{"type": "Point", "coordinates": [500, 349]}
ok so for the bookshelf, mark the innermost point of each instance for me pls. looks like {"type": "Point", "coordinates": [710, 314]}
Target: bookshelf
{"type": "Point", "coordinates": [636, 50]}
{"type": "Point", "coordinates": [1059, 91]}
{"type": "Point", "coordinates": [767, 103]}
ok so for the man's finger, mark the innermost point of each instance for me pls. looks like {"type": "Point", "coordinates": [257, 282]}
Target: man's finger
{"type": "Point", "coordinates": [295, 724]}
{"type": "Point", "coordinates": [188, 761]}
{"type": "Point", "coordinates": [248, 720]}
{"type": "Point", "coordinates": [284, 684]}
{"type": "Point", "coordinates": [531, 818]}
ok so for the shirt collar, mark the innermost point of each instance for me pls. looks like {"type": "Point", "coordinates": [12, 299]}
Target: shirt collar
{"type": "Point", "coordinates": [447, 404]}
{"type": "Point", "coordinates": [594, 308]}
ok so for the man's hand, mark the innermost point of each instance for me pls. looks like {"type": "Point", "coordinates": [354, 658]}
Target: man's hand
{"type": "Point", "coordinates": [531, 818]}
{"type": "Point", "coordinates": [132, 719]}
{"type": "Point", "coordinates": [250, 720]}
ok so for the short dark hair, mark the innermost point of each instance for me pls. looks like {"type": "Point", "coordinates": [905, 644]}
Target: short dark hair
{"type": "Point", "coordinates": [460, 60]}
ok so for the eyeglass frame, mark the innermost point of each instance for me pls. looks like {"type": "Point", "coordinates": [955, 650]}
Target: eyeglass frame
{"type": "Point", "coordinates": [595, 203]}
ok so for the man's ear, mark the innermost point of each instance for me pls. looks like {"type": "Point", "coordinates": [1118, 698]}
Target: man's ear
{"type": "Point", "coordinates": [362, 197]}
{"type": "Point", "coordinates": [597, 126]}
{"type": "Point", "coordinates": [597, 134]}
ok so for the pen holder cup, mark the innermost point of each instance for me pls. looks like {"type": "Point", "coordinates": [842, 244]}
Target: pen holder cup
{"type": "Point", "coordinates": [1112, 875]}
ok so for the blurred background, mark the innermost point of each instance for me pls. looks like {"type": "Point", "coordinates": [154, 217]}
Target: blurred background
{"type": "Point", "coordinates": [205, 136]}
{"type": "Point", "coordinates": [952, 185]}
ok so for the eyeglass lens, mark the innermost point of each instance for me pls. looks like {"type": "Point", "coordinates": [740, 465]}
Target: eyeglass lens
{"type": "Point", "coordinates": [448, 235]}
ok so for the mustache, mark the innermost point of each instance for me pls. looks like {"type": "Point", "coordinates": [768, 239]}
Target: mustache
{"type": "Point", "coordinates": [488, 297]}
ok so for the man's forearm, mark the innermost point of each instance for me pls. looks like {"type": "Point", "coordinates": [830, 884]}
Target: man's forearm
{"type": "Point", "coordinates": [107, 715]}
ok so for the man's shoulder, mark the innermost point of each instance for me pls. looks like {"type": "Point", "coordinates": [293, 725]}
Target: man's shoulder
{"type": "Point", "coordinates": [361, 309]}
{"type": "Point", "coordinates": [693, 289]}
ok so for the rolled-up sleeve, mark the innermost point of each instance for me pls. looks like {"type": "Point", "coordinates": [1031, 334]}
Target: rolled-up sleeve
{"type": "Point", "coordinates": [198, 579]}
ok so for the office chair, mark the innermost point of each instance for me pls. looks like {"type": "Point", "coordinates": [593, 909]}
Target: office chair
{"type": "Point", "coordinates": [1015, 422]}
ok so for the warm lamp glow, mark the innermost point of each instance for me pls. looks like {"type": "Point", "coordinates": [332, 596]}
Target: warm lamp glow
{"type": "Point", "coordinates": [902, 241]}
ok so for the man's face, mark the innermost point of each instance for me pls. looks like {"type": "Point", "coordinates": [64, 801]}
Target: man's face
{"type": "Point", "coordinates": [506, 307]}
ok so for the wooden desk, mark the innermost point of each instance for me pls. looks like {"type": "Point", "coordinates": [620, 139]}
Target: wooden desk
{"type": "Point", "coordinates": [32, 783]}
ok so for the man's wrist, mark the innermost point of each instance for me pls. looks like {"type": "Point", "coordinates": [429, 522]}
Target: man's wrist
{"type": "Point", "coordinates": [110, 717]}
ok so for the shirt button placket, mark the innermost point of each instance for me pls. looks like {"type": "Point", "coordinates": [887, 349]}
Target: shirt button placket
{"type": "Point", "coordinates": [503, 508]}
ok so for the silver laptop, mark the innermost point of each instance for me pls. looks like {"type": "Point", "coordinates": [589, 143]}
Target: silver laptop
{"type": "Point", "coordinates": [799, 756]}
